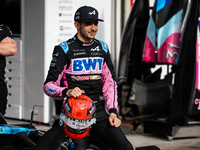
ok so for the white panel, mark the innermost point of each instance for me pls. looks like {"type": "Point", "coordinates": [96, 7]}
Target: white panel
{"type": "Point", "coordinates": [14, 75]}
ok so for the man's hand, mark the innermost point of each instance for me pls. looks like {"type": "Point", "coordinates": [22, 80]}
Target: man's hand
{"type": "Point", "coordinates": [7, 40]}
{"type": "Point", "coordinates": [114, 121]}
{"type": "Point", "coordinates": [8, 47]}
{"type": "Point", "coordinates": [75, 92]}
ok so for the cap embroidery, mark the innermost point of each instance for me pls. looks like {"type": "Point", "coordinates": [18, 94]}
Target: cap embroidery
{"type": "Point", "coordinates": [92, 13]}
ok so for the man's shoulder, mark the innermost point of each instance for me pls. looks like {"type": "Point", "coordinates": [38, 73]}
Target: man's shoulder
{"type": "Point", "coordinates": [65, 44]}
{"type": "Point", "coordinates": [69, 41]}
{"type": "Point", "coordinates": [103, 45]}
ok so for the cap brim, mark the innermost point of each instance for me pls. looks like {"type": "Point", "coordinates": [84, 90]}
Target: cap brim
{"type": "Point", "coordinates": [100, 20]}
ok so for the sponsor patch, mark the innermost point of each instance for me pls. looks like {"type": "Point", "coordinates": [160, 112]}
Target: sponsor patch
{"type": "Point", "coordinates": [81, 53]}
{"type": "Point", "coordinates": [82, 78]}
{"type": "Point", "coordinates": [50, 90]}
{"type": "Point", "coordinates": [87, 64]}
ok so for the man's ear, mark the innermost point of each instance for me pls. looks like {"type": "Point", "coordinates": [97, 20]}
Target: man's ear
{"type": "Point", "coordinates": [77, 25]}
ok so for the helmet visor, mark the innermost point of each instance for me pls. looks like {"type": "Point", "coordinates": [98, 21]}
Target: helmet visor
{"type": "Point", "coordinates": [78, 124]}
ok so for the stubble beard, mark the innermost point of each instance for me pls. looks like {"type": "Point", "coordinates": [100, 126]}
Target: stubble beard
{"type": "Point", "coordinates": [86, 36]}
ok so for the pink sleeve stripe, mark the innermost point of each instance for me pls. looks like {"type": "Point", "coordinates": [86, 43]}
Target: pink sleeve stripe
{"type": "Point", "coordinates": [53, 89]}
{"type": "Point", "coordinates": [109, 89]}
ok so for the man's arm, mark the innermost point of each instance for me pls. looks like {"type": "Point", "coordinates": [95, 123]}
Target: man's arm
{"type": "Point", "coordinates": [52, 85]}
{"type": "Point", "coordinates": [8, 47]}
{"type": "Point", "coordinates": [109, 89]}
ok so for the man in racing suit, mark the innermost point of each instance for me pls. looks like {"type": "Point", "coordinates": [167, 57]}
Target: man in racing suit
{"type": "Point", "coordinates": [8, 47]}
{"type": "Point", "coordinates": [82, 65]}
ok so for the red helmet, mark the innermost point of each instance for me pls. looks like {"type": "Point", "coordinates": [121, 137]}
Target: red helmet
{"type": "Point", "coordinates": [77, 116]}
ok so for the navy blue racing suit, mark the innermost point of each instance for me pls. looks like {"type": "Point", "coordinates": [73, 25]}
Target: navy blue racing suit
{"type": "Point", "coordinates": [89, 67]}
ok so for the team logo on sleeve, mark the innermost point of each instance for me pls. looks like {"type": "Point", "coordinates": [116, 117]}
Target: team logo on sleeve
{"type": "Point", "coordinates": [87, 64]}
{"type": "Point", "coordinates": [50, 90]}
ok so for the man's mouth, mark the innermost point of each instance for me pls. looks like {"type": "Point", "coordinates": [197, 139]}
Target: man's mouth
{"type": "Point", "coordinates": [92, 33]}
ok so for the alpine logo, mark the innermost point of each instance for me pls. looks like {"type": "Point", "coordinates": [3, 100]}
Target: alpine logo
{"type": "Point", "coordinates": [95, 49]}
{"type": "Point", "coordinates": [92, 13]}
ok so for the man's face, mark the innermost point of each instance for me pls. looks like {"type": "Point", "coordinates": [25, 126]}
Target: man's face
{"type": "Point", "coordinates": [87, 31]}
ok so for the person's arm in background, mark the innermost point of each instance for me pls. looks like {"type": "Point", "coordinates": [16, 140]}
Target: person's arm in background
{"type": "Point", "coordinates": [8, 47]}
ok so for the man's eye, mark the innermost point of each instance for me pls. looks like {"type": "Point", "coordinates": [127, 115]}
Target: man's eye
{"type": "Point", "coordinates": [91, 23]}
{"type": "Point", "coordinates": [87, 24]}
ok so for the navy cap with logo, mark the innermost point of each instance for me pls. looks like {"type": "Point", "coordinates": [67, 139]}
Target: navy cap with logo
{"type": "Point", "coordinates": [87, 14]}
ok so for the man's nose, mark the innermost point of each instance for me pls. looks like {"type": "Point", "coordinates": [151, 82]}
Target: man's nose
{"type": "Point", "coordinates": [94, 27]}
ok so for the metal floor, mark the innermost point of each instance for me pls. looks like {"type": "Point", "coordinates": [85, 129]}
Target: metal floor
{"type": "Point", "coordinates": [140, 139]}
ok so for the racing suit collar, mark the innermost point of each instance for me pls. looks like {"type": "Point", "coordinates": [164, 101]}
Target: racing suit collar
{"type": "Point", "coordinates": [82, 43]}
